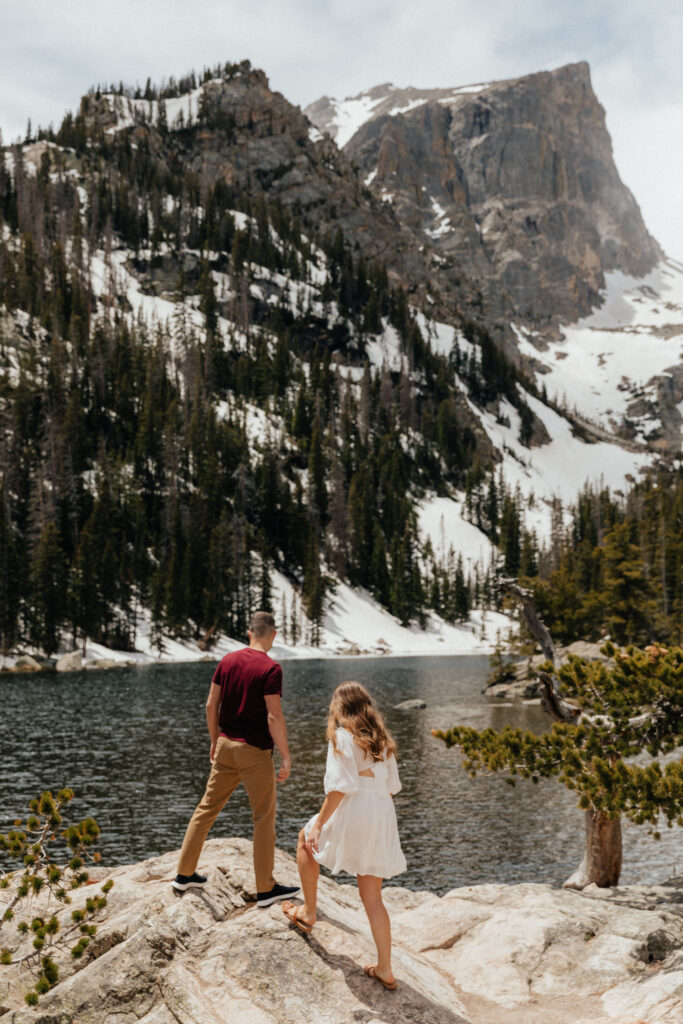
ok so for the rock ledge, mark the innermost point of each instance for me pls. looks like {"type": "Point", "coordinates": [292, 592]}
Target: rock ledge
{"type": "Point", "coordinates": [488, 954]}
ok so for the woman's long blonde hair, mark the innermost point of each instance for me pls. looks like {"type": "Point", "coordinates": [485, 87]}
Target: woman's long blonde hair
{"type": "Point", "coordinates": [353, 708]}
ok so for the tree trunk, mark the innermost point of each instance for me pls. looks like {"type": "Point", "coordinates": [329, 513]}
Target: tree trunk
{"type": "Point", "coordinates": [601, 862]}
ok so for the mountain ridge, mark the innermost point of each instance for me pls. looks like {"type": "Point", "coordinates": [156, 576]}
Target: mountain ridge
{"type": "Point", "coordinates": [232, 375]}
{"type": "Point", "coordinates": [500, 169]}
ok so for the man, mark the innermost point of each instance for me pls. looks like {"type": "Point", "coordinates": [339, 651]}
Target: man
{"type": "Point", "coordinates": [244, 716]}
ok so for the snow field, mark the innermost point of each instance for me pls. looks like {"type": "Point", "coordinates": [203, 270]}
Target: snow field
{"type": "Point", "coordinates": [558, 469]}
{"type": "Point", "coordinates": [442, 521]}
{"type": "Point", "coordinates": [353, 112]}
{"type": "Point", "coordinates": [129, 110]}
{"type": "Point", "coordinates": [350, 114]}
{"type": "Point", "coordinates": [610, 357]}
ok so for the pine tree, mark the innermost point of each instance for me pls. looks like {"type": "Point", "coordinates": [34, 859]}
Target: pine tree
{"type": "Point", "coordinates": [510, 531]}
{"type": "Point", "coordinates": [461, 594]}
{"type": "Point", "coordinates": [337, 534]}
{"type": "Point", "coordinates": [314, 591]}
{"type": "Point", "coordinates": [47, 589]}
{"type": "Point", "coordinates": [317, 474]}
{"type": "Point", "coordinates": [84, 592]}
{"type": "Point", "coordinates": [174, 594]}
{"type": "Point", "coordinates": [628, 593]}
{"type": "Point", "coordinates": [379, 572]}
{"type": "Point", "coordinates": [361, 526]}
{"type": "Point", "coordinates": [266, 590]}
{"type": "Point", "coordinates": [9, 573]}
{"type": "Point", "coordinates": [294, 627]}
{"type": "Point", "coordinates": [284, 624]}
{"type": "Point", "coordinates": [630, 706]}
{"type": "Point", "coordinates": [406, 597]}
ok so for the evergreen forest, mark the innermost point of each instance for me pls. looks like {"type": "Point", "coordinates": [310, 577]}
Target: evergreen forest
{"type": "Point", "coordinates": [191, 401]}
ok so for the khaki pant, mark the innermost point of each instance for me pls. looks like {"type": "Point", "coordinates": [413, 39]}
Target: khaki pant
{"type": "Point", "coordinates": [233, 763]}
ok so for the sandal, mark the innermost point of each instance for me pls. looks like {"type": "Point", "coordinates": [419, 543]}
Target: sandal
{"type": "Point", "coordinates": [291, 912]}
{"type": "Point", "coordinates": [372, 973]}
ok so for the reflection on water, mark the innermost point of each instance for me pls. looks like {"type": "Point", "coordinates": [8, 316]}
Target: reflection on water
{"type": "Point", "coordinates": [133, 744]}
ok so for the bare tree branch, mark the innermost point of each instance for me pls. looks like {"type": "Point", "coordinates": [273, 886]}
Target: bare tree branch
{"type": "Point", "coordinates": [551, 702]}
{"type": "Point", "coordinates": [535, 624]}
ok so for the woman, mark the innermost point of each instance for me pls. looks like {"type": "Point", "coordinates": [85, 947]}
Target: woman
{"type": "Point", "coordinates": [355, 830]}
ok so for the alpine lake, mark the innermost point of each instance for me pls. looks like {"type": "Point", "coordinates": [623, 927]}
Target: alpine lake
{"type": "Point", "coordinates": [133, 745]}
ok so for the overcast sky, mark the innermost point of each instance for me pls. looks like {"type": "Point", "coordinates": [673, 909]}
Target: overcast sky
{"type": "Point", "coordinates": [52, 52]}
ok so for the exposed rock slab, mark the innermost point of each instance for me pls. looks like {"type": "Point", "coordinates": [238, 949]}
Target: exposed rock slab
{"type": "Point", "coordinates": [204, 958]}
{"type": "Point", "coordinates": [531, 944]}
{"type": "Point", "coordinates": [489, 954]}
{"type": "Point", "coordinates": [71, 662]}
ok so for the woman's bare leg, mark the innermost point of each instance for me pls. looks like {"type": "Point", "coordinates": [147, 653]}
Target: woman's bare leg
{"type": "Point", "coordinates": [308, 873]}
{"type": "Point", "coordinates": [370, 889]}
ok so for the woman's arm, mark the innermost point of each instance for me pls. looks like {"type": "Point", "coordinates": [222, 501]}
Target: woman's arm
{"type": "Point", "coordinates": [330, 805]}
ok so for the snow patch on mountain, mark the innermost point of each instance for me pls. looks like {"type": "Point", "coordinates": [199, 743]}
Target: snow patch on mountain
{"type": "Point", "coordinates": [350, 114]}
{"type": "Point", "coordinates": [442, 521]}
{"type": "Point", "coordinates": [179, 109]}
{"type": "Point", "coordinates": [343, 118]}
{"type": "Point", "coordinates": [354, 619]}
{"type": "Point", "coordinates": [606, 361]}
{"type": "Point", "coordinates": [442, 337]}
{"type": "Point", "coordinates": [442, 222]}
{"type": "Point", "coordinates": [385, 350]}
{"type": "Point", "coordinates": [558, 469]}
{"type": "Point", "coordinates": [464, 90]}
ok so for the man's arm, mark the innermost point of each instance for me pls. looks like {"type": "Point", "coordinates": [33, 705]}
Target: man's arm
{"type": "Point", "coordinates": [278, 730]}
{"type": "Point", "coordinates": [213, 707]}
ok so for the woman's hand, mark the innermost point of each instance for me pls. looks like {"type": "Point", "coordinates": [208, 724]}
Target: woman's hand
{"type": "Point", "coordinates": [313, 838]}
{"type": "Point", "coordinates": [330, 805]}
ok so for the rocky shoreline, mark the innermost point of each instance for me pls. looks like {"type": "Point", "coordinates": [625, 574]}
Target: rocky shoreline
{"type": "Point", "coordinates": [520, 682]}
{"type": "Point", "coordinates": [71, 662]}
{"type": "Point", "coordinates": [485, 954]}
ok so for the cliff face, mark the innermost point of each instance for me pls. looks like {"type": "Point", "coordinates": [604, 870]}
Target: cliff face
{"type": "Point", "coordinates": [516, 178]}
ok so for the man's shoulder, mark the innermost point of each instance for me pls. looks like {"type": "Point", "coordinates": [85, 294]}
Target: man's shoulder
{"type": "Point", "coordinates": [231, 656]}
{"type": "Point", "coordinates": [230, 659]}
{"type": "Point", "coordinates": [245, 656]}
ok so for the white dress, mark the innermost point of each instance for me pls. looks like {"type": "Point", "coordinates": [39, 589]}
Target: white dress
{"type": "Point", "coordinates": [361, 836]}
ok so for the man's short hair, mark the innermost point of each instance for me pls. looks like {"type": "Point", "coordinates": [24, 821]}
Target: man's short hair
{"type": "Point", "coordinates": [261, 624]}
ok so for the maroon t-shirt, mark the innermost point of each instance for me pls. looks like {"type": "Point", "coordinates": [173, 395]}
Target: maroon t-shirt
{"type": "Point", "coordinates": [245, 678]}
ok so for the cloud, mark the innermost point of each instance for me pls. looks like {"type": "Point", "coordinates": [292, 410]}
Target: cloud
{"type": "Point", "coordinates": [50, 54]}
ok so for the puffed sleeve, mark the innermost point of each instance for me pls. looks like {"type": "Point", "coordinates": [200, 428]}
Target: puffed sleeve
{"type": "Point", "coordinates": [393, 781]}
{"type": "Point", "coordinates": [341, 772]}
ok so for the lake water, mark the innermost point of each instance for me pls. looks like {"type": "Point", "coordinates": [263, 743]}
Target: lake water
{"type": "Point", "coordinates": [133, 745]}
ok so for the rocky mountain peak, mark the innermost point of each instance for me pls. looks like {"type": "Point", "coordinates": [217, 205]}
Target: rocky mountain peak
{"type": "Point", "coordinates": [514, 178]}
